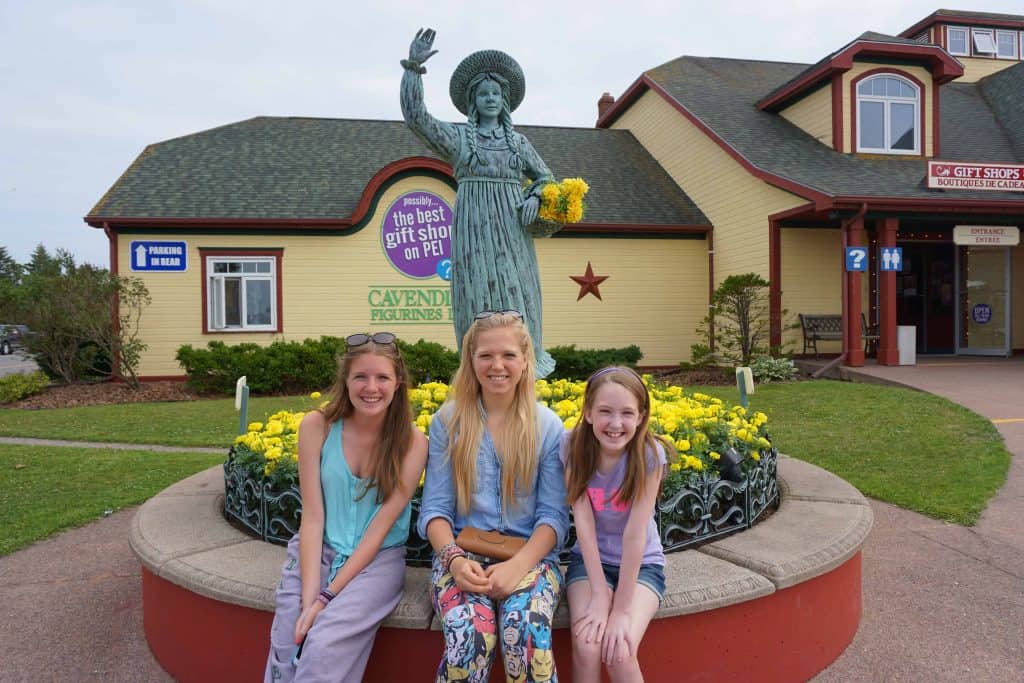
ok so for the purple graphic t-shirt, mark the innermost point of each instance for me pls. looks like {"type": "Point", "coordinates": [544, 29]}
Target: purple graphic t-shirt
{"type": "Point", "coordinates": [611, 516]}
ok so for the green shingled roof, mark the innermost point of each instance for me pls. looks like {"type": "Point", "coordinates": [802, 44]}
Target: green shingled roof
{"type": "Point", "coordinates": [270, 167]}
{"type": "Point", "coordinates": [723, 94]}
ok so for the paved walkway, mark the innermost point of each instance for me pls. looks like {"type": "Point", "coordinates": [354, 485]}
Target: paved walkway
{"type": "Point", "coordinates": [941, 602]}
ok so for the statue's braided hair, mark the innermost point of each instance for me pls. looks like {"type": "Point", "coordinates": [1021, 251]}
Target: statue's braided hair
{"type": "Point", "coordinates": [505, 118]}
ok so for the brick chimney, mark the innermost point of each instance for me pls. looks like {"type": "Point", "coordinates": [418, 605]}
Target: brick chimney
{"type": "Point", "coordinates": [604, 104]}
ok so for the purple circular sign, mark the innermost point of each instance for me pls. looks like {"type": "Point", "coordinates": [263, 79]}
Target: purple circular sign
{"type": "Point", "coordinates": [981, 313]}
{"type": "Point", "coordinates": [416, 233]}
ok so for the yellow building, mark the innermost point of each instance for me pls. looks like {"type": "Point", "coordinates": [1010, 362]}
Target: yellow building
{"type": "Point", "coordinates": [885, 181]}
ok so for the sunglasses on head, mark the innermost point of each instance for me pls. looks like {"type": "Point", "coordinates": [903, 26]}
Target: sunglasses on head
{"type": "Point", "coordinates": [605, 371]}
{"type": "Point", "coordinates": [354, 340]}
{"type": "Point", "coordinates": [483, 315]}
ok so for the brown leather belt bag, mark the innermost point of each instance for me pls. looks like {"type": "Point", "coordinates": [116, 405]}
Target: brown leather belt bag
{"type": "Point", "coordinates": [489, 543]}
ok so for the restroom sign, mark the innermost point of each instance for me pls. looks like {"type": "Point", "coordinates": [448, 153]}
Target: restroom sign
{"type": "Point", "coordinates": [155, 256]}
{"type": "Point", "coordinates": [891, 258]}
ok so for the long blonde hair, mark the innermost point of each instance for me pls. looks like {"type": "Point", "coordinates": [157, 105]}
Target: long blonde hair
{"type": "Point", "coordinates": [583, 448]}
{"type": "Point", "coordinates": [516, 440]}
{"type": "Point", "coordinates": [396, 433]}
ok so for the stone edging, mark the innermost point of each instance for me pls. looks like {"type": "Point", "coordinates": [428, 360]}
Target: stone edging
{"type": "Point", "coordinates": [181, 536]}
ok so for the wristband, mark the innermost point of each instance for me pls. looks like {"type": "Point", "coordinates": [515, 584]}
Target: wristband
{"type": "Point", "coordinates": [326, 595]}
{"type": "Point", "coordinates": [448, 553]}
{"type": "Point", "coordinates": [414, 66]}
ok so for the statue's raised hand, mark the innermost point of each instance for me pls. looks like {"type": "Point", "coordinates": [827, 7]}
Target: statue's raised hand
{"type": "Point", "coordinates": [422, 46]}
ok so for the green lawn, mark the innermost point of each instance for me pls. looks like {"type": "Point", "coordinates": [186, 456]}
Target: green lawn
{"type": "Point", "coordinates": [909, 448]}
{"type": "Point", "coordinates": [44, 490]}
{"type": "Point", "coordinates": [211, 422]}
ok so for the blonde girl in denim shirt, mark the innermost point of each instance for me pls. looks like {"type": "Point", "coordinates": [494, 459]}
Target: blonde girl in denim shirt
{"type": "Point", "coordinates": [493, 464]}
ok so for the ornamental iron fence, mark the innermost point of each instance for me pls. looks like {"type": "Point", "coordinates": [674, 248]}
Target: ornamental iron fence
{"type": "Point", "coordinates": [706, 509]}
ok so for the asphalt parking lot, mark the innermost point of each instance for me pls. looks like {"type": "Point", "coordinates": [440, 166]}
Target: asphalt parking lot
{"type": "Point", "coordinates": [16, 362]}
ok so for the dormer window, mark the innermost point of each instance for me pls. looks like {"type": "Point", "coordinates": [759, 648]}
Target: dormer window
{"type": "Point", "coordinates": [1006, 44]}
{"type": "Point", "coordinates": [888, 111]}
{"type": "Point", "coordinates": [958, 41]}
{"type": "Point", "coordinates": [984, 40]}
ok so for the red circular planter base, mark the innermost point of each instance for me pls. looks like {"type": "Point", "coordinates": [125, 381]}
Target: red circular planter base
{"type": "Point", "coordinates": [789, 635]}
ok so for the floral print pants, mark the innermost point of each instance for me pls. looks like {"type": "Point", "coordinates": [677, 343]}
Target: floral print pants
{"type": "Point", "coordinates": [523, 624]}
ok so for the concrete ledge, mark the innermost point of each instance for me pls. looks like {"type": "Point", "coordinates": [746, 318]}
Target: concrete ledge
{"type": "Point", "coordinates": [181, 536]}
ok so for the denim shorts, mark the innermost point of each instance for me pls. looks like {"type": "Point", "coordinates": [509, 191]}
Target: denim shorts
{"type": "Point", "coordinates": [650, 575]}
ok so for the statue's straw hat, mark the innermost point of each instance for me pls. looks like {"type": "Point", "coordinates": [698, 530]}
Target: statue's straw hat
{"type": "Point", "coordinates": [494, 61]}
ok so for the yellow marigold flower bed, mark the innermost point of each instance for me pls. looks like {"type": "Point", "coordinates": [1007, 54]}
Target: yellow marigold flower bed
{"type": "Point", "coordinates": [700, 426]}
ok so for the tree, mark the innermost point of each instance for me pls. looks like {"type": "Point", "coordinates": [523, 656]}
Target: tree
{"type": "Point", "coordinates": [69, 309]}
{"type": "Point", "coordinates": [739, 317]}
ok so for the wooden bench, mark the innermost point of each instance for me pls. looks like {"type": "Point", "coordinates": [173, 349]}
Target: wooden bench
{"type": "Point", "coordinates": [829, 327]}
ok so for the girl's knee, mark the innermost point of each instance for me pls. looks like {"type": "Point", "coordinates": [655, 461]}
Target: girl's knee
{"type": "Point", "coordinates": [624, 670]}
{"type": "Point", "coordinates": [470, 637]}
{"type": "Point", "coordinates": [586, 653]}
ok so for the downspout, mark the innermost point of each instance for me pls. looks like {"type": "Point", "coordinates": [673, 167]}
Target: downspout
{"type": "Point", "coordinates": [846, 317]}
{"type": "Point", "coordinates": [115, 303]}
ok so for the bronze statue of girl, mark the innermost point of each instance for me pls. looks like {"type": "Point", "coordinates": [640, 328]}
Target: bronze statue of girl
{"type": "Point", "coordinates": [494, 264]}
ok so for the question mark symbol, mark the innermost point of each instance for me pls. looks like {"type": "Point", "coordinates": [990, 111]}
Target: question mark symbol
{"type": "Point", "coordinates": [858, 256]}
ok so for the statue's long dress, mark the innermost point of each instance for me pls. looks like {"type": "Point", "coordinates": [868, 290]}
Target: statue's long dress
{"type": "Point", "coordinates": [494, 264]}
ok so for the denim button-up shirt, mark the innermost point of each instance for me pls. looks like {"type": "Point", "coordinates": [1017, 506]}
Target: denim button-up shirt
{"type": "Point", "coordinates": [543, 503]}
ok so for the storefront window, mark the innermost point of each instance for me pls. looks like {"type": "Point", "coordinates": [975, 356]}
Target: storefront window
{"type": "Point", "coordinates": [887, 116]}
{"type": "Point", "coordinates": [241, 293]}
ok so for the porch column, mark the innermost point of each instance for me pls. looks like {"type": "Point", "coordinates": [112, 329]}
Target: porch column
{"type": "Point", "coordinates": [888, 354]}
{"type": "Point", "coordinates": [854, 345]}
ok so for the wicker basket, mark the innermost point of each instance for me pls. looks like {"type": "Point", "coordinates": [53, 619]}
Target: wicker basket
{"type": "Point", "coordinates": [543, 228]}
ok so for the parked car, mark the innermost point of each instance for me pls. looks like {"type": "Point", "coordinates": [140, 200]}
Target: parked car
{"type": "Point", "coordinates": [11, 338]}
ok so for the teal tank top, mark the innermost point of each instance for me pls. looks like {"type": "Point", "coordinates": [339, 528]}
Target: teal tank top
{"type": "Point", "coordinates": [346, 515]}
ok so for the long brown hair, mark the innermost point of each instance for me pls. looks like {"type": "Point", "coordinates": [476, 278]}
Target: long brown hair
{"type": "Point", "coordinates": [584, 448]}
{"type": "Point", "coordinates": [516, 442]}
{"type": "Point", "coordinates": [396, 434]}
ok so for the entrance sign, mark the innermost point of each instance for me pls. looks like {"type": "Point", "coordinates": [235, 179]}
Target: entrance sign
{"type": "Point", "coordinates": [856, 259]}
{"type": "Point", "coordinates": [150, 256]}
{"type": "Point", "coordinates": [891, 258]}
{"type": "Point", "coordinates": [956, 175]}
{"type": "Point", "coordinates": [416, 235]}
{"type": "Point", "coordinates": [986, 235]}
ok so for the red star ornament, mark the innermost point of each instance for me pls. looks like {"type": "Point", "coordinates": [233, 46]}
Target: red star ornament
{"type": "Point", "coordinates": [588, 283]}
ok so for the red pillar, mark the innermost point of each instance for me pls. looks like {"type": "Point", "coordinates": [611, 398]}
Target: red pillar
{"type": "Point", "coordinates": [854, 345]}
{"type": "Point", "coordinates": [774, 286]}
{"type": "Point", "coordinates": [888, 354]}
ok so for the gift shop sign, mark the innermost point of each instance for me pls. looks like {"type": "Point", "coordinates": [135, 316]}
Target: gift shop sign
{"type": "Point", "coordinates": [986, 235]}
{"type": "Point", "coordinates": [951, 175]}
{"type": "Point", "coordinates": [416, 235]}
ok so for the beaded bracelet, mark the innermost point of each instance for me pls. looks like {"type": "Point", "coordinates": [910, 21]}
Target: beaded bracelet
{"type": "Point", "coordinates": [448, 553]}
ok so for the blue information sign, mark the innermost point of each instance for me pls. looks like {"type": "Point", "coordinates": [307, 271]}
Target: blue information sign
{"type": "Point", "coordinates": [158, 256]}
{"type": "Point", "coordinates": [891, 258]}
{"type": "Point", "coordinates": [856, 258]}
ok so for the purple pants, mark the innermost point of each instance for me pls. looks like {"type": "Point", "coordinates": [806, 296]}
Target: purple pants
{"type": "Point", "coordinates": [339, 643]}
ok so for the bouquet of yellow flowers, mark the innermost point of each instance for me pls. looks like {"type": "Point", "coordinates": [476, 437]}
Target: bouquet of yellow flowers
{"type": "Point", "coordinates": [560, 203]}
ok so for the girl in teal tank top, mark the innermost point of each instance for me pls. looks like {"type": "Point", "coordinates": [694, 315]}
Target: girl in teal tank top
{"type": "Point", "coordinates": [360, 460]}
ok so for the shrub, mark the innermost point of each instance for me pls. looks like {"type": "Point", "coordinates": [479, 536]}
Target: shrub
{"type": "Point", "coordinates": [16, 387]}
{"type": "Point", "coordinates": [573, 363]}
{"type": "Point", "coordinates": [767, 369]}
{"type": "Point", "coordinates": [429, 361]}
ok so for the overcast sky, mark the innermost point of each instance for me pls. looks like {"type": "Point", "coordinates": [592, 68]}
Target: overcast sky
{"type": "Point", "coordinates": [88, 84]}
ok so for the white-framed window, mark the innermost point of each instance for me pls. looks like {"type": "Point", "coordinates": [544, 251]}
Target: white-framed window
{"type": "Point", "coordinates": [984, 41]}
{"type": "Point", "coordinates": [957, 37]}
{"type": "Point", "coordinates": [888, 115]}
{"type": "Point", "coordinates": [241, 293]}
{"type": "Point", "coordinates": [1006, 44]}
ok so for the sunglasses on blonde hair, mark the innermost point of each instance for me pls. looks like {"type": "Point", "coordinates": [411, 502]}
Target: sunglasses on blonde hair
{"type": "Point", "coordinates": [355, 340]}
{"type": "Point", "coordinates": [484, 315]}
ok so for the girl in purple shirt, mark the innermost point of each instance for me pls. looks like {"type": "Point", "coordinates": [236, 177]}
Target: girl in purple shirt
{"type": "Point", "coordinates": [616, 577]}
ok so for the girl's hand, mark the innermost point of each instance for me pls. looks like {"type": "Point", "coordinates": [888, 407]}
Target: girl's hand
{"type": "Point", "coordinates": [504, 577]}
{"type": "Point", "coordinates": [591, 625]}
{"type": "Point", "coordinates": [469, 576]}
{"type": "Point", "coordinates": [306, 620]}
{"type": "Point", "coordinates": [617, 644]}
{"type": "Point", "coordinates": [421, 48]}
{"type": "Point", "coordinates": [529, 209]}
